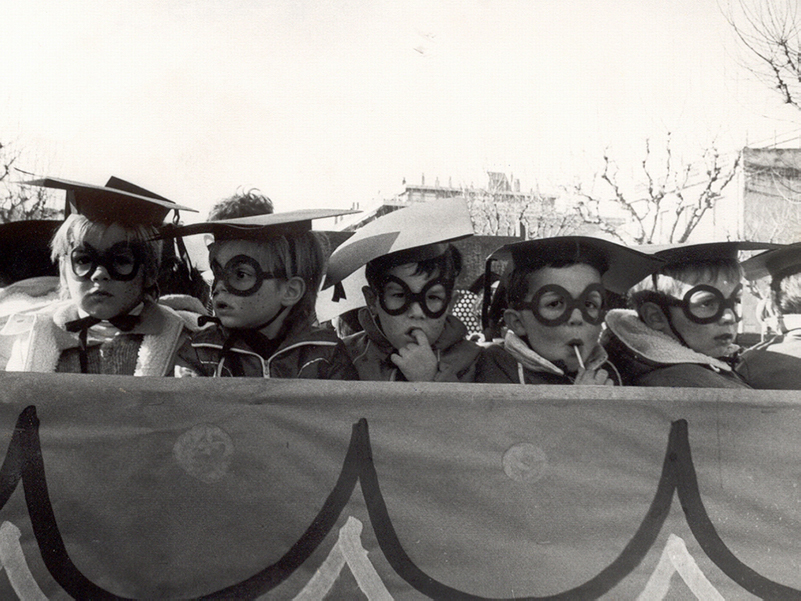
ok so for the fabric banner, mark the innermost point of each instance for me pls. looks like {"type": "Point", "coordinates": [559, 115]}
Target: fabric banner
{"type": "Point", "coordinates": [121, 487]}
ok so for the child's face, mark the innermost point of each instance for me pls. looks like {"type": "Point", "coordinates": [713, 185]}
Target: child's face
{"type": "Point", "coordinates": [243, 259]}
{"type": "Point", "coordinates": [101, 260]}
{"type": "Point", "coordinates": [712, 339]}
{"type": "Point", "coordinates": [557, 342]}
{"type": "Point", "coordinates": [398, 328]}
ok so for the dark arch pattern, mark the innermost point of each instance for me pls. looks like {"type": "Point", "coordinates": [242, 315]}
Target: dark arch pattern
{"type": "Point", "coordinates": [23, 461]}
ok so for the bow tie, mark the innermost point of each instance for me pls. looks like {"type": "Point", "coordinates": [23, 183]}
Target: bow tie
{"type": "Point", "coordinates": [125, 323]}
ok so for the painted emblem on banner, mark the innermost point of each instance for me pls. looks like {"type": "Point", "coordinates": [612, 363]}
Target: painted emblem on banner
{"type": "Point", "coordinates": [204, 452]}
{"type": "Point", "coordinates": [525, 462]}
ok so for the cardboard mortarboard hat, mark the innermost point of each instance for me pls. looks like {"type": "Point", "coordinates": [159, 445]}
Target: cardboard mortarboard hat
{"type": "Point", "coordinates": [25, 250]}
{"type": "Point", "coordinates": [117, 201]}
{"type": "Point", "coordinates": [620, 266]}
{"type": "Point", "coordinates": [677, 255]}
{"type": "Point", "coordinates": [417, 232]}
{"type": "Point", "coordinates": [259, 227]}
{"type": "Point", "coordinates": [778, 263]}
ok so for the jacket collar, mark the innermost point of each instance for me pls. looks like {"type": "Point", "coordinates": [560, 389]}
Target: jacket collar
{"type": "Point", "coordinates": [531, 360]}
{"type": "Point", "coordinates": [654, 345]}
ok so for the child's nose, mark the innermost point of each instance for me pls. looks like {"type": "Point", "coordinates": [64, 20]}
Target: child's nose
{"type": "Point", "coordinates": [416, 310]}
{"type": "Point", "coordinates": [576, 317]}
{"type": "Point", "coordinates": [100, 273]}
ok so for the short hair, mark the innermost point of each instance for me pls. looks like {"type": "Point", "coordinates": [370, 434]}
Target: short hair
{"type": "Point", "coordinates": [517, 281]}
{"type": "Point", "coordinates": [668, 281]}
{"type": "Point", "coordinates": [300, 255]}
{"type": "Point", "coordinates": [76, 228]}
{"type": "Point", "coordinates": [448, 265]}
{"type": "Point", "coordinates": [242, 204]}
{"type": "Point", "coordinates": [786, 293]}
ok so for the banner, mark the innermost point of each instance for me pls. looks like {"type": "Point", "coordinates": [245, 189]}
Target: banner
{"type": "Point", "coordinates": [122, 487]}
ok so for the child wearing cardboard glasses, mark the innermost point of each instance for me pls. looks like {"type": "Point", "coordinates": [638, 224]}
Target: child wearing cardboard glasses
{"type": "Point", "coordinates": [267, 270]}
{"type": "Point", "coordinates": [682, 327]}
{"type": "Point", "coordinates": [555, 299]}
{"type": "Point", "coordinates": [410, 269]}
{"type": "Point", "coordinates": [108, 321]}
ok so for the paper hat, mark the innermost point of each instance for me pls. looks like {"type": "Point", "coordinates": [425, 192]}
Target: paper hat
{"type": "Point", "coordinates": [676, 255]}
{"type": "Point", "coordinates": [334, 301]}
{"type": "Point", "coordinates": [25, 250]}
{"type": "Point", "coordinates": [413, 230]}
{"type": "Point", "coordinates": [777, 263]}
{"type": "Point", "coordinates": [117, 201]}
{"type": "Point", "coordinates": [621, 267]}
{"type": "Point", "coordinates": [258, 227]}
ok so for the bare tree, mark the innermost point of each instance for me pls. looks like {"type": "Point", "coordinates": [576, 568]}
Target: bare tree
{"type": "Point", "coordinates": [500, 211]}
{"type": "Point", "coordinates": [19, 202]}
{"type": "Point", "coordinates": [770, 33]}
{"type": "Point", "coordinates": [669, 200]}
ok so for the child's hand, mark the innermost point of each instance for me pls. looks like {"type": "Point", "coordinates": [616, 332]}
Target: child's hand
{"type": "Point", "coordinates": [417, 360]}
{"type": "Point", "coordinates": [593, 377]}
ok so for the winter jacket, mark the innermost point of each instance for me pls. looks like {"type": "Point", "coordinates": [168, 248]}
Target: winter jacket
{"type": "Point", "coordinates": [42, 344]}
{"type": "Point", "coordinates": [305, 352]}
{"type": "Point", "coordinates": [371, 352]}
{"type": "Point", "coordinates": [647, 357]}
{"type": "Point", "coordinates": [512, 361]}
{"type": "Point", "coordinates": [775, 363]}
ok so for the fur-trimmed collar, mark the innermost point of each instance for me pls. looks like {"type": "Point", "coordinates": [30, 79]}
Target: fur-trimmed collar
{"type": "Point", "coordinates": [654, 345]}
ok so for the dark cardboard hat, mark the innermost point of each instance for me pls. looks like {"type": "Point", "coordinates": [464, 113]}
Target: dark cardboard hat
{"type": "Point", "coordinates": [778, 262]}
{"type": "Point", "coordinates": [677, 255]}
{"type": "Point", "coordinates": [415, 233]}
{"type": "Point", "coordinates": [621, 266]}
{"type": "Point", "coordinates": [117, 201]}
{"type": "Point", "coordinates": [258, 227]}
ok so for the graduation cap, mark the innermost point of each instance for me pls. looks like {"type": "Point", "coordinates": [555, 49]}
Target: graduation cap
{"type": "Point", "coordinates": [117, 201]}
{"type": "Point", "coordinates": [25, 250]}
{"type": "Point", "coordinates": [620, 266]}
{"type": "Point", "coordinates": [780, 262]}
{"type": "Point", "coordinates": [415, 233]}
{"type": "Point", "coordinates": [677, 255]}
{"type": "Point", "coordinates": [258, 227]}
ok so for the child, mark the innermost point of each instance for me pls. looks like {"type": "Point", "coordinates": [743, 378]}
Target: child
{"type": "Point", "coordinates": [411, 271]}
{"type": "Point", "coordinates": [267, 270]}
{"type": "Point", "coordinates": [108, 321]}
{"type": "Point", "coordinates": [682, 328]}
{"type": "Point", "coordinates": [776, 363]}
{"type": "Point", "coordinates": [555, 304]}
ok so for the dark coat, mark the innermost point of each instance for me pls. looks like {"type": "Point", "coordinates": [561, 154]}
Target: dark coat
{"type": "Point", "coordinates": [309, 353]}
{"type": "Point", "coordinates": [646, 357]}
{"type": "Point", "coordinates": [371, 351]}
{"type": "Point", "coordinates": [775, 364]}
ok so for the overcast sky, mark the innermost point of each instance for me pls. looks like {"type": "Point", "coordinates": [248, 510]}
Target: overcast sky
{"type": "Point", "coordinates": [321, 104]}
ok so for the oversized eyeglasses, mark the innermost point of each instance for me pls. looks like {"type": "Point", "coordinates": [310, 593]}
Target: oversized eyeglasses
{"type": "Point", "coordinates": [552, 305]}
{"type": "Point", "coordinates": [705, 304]}
{"type": "Point", "coordinates": [121, 261]}
{"type": "Point", "coordinates": [396, 297]}
{"type": "Point", "coordinates": [242, 275]}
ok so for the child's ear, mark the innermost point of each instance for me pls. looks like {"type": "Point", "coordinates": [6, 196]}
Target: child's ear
{"type": "Point", "coordinates": [294, 289]}
{"type": "Point", "coordinates": [370, 298]}
{"type": "Point", "coordinates": [654, 317]}
{"type": "Point", "coordinates": [512, 319]}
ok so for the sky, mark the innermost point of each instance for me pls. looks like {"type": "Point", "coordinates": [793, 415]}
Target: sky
{"type": "Point", "coordinates": [326, 104]}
